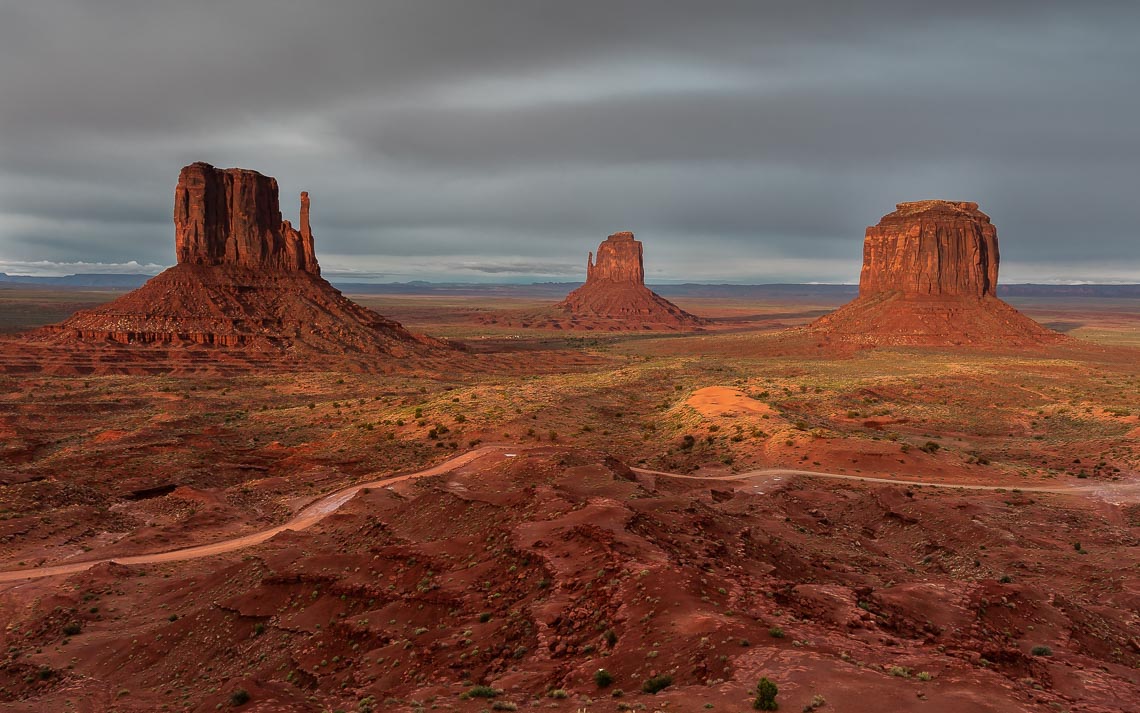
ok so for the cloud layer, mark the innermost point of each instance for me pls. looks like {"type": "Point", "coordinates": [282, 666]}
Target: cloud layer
{"type": "Point", "coordinates": [744, 141]}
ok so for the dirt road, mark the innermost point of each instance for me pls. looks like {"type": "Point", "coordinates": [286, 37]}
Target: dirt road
{"type": "Point", "coordinates": [317, 511]}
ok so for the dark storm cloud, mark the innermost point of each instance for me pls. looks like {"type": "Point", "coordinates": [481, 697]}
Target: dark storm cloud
{"type": "Point", "coordinates": [743, 141]}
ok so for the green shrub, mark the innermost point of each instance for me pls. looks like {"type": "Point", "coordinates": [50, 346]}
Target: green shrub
{"type": "Point", "coordinates": [481, 692]}
{"type": "Point", "coordinates": [239, 697]}
{"type": "Point", "coordinates": [1041, 651]}
{"type": "Point", "coordinates": [766, 696]}
{"type": "Point", "coordinates": [603, 678]}
{"type": "Point", "coordinates": [776, 632]}
{"type": "Point", "coordinates": [72, 628]}
{"type": "Point", "coordinates": [657, 683]}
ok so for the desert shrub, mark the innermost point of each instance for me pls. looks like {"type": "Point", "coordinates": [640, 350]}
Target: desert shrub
{"type": "Point", "coordinates": [485, 617]}
{"type": "Point", "coordinates": [603, 678]}
{"type": "Point", "coordinates": [72, 628]}
{"type": "Point", "coordinates": [559, 693]}
{"type": "Point", "coordinates": [776, 632]}
{"type": "Point", "coordinates": [239, 697]}
{"type": "Point", "coordinates": [481, 692]}
{"type": "Point", "coordinates": [657, 683]}
{"type": "Point", "coordinates": [1041, 651]}
{"type": "Point", "coordinates": [765, 699]}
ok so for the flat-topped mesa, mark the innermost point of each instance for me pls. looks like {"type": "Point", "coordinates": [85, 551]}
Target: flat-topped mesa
{"type": "Point", "coordinates": [620, 259]}
{"type": "Point", "coordinates": [931, 248]}
{"type": "Point", "coordinates": [930, 272]}
{"type": "Point", "coordinates": [232, 216]}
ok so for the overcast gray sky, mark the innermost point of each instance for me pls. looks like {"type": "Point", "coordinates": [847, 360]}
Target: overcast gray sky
{"type": "Point", "coordinates": [742, 141]}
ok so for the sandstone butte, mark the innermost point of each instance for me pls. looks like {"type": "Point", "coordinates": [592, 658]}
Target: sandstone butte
{"type": "Point", "coordinates": [615, 291]}
{"type": "Point", "coordinates": [929, 277]}
{"type": "Point", "coordinates": [245, 280]}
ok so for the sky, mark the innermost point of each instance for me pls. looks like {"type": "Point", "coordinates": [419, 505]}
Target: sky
{"type": "Point", "coordinates": [500, 141]}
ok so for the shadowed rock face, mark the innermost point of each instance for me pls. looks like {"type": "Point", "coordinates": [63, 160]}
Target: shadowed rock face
{"type": "Point", "coordinates": [929, 277]}
{"type": "Point", "coordinates": [232, 217]}
{"type": "Point", "coordinates": [615, 295]}
{"type": "Point", "coordinates": [931, 248]}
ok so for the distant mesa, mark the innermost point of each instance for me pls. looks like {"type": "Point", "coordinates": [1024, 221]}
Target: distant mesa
{"type": "Point", "coordinates": [246, 281]}
{"type": "Point", "coordinates": [929, 277]}
{"type": "Point", "coordinates": [615, 291]}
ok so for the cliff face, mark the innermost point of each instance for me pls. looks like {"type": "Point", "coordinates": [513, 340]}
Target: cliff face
{"type": "Point", "coordinates": [620, 259]}
{"type": "Point", "coordinates": [931, 248]}
{"type": "Point", "coordinates": [615, 296]}
{"type": "Point", "coordinates": [929, 277]}
{"type": "Point", "coordinates": [232, 217]}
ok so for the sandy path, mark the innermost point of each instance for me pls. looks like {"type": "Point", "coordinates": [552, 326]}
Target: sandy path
{"type": "Point", "coordinates": [317, 511]}
{"type": "Point", "coordinates": [308, 516]}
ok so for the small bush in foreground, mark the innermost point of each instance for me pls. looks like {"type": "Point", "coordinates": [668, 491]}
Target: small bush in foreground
{"type": "Point", "coordinates": [657, 683]}
{"type": "Point", "coordinates": [766, 696]}
{"type": "Point", "coordinates": [480, 692]}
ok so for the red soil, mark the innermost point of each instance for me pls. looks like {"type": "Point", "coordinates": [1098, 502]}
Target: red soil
{"type": "Point", "coordinates": [529, 574]}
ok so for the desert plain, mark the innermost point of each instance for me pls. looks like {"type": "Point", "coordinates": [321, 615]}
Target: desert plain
{"type": "Point", "coordinates": [898, 528]}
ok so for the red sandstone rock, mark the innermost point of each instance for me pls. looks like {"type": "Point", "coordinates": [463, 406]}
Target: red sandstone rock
{"type": "Point", "coordinates": [245, 280]}
{"type": "Point", "coordinates": [232, 217]}
{"type": "Point", "coordinates": [620, 259]}
{"type": "Point", "coordinates": [615, 291]}
{"type": "Point", "coordinates": [931, 248]}
{"type": "Point", "coordinates": [929, 277]}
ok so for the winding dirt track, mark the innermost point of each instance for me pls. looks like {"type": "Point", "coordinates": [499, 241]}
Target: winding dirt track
{"type": "Point", "coordinates": [317, 511]}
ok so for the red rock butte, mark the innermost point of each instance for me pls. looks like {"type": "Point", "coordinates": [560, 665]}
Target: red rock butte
{"type": "Point", "coordinates": [615, 294]}
{"type": "Point", "coordinates": [247, 284]}
{"type": "Point", "coordinates": [232, 217]}
{"type": "Point", "coordinates": [929, 277]}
